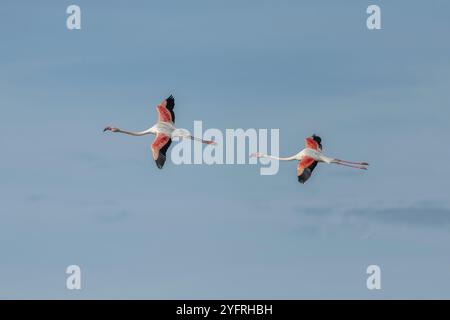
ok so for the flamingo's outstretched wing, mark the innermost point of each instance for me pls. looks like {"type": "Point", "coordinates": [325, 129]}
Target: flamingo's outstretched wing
{"type": "Point", "coordinates": [305, 168]}
{"type": "Point", "coordinates": [165, 110]}
{"type": "Point", "coordinates": [159, 149]}
{"type": "Point", "coordinates": [313, 143]}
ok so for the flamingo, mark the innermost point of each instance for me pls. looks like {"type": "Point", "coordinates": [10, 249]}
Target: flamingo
{"type": "Point", "coordinates": [310, 156]}
{"type": "Point", "coordinates": [164, 129]}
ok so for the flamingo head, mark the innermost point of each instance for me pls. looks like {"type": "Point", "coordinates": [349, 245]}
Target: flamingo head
{"type": "Point", "coordinates": [111, 129]}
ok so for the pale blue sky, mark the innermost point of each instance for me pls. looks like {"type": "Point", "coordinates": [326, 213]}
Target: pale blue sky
{"type": "Point", "coordinates": [73, 195]}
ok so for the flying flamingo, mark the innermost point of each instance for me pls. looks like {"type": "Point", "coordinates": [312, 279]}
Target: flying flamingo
{"type": "Point", "coordinates": [164, 130]}
{"type": "Point", "coordinates": [310, 156]}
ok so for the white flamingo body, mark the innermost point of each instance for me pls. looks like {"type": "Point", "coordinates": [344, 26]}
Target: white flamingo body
{"type": "Point", "coordinates": [166, 128]}
{"type": "Point", "coordinates": [314, 154]}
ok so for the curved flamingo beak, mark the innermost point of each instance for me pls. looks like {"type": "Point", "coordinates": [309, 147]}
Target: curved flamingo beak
{"type": "Point", "coordinates": [107, 129]}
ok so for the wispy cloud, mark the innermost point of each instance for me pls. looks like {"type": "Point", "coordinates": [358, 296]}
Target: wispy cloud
{"type": "Point", "coordinates": [417, 215]}
{"type": "Point", "coordinates": [421, 214]}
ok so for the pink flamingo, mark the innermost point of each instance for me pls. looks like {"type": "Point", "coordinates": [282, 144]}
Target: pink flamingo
{"type": "Point", "coordinates": [310, 156]}
{"type": "Point", "coordinates": [164, 129]}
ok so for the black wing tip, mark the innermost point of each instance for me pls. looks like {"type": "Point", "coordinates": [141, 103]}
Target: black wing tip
{"type": "Point", "coordinates": [160, 161]}
{"type": "Point", "coordinates": [304, 176]}
{"type": "Point", "coordinates": [170, 103]}
{"type": "Point", "coordinates": [317, 138]}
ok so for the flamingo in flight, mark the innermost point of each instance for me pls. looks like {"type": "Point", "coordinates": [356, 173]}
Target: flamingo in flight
{"type": "Point", "coordinates": [164, 129]}
{"type": "Point", "coordinates": [310, 156]}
